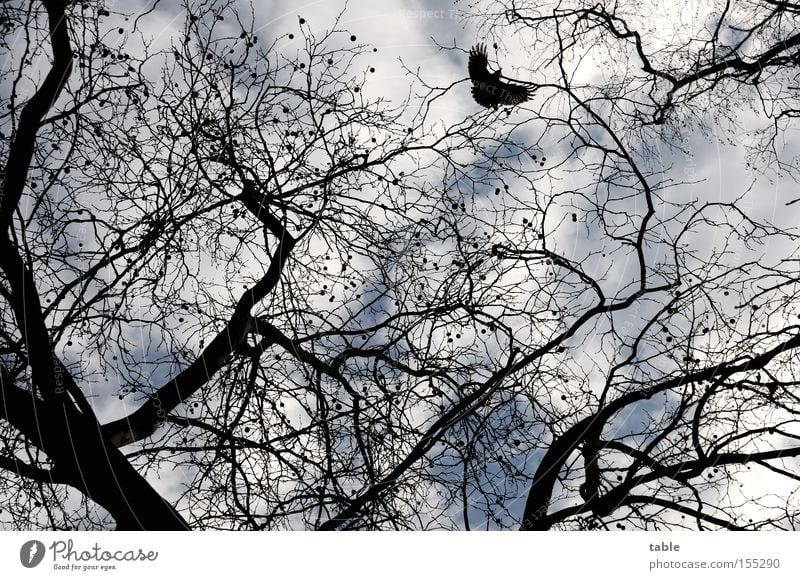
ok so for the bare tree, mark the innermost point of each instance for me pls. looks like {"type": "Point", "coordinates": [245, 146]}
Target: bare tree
{"type": "Point", "coordinates": [688, 401]}
{"type": "Point", "coordinates": [237, 274]}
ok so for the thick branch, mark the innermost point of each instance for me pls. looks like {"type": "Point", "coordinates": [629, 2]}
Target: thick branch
{"type": "Point", "coordinates": [143, 422]}
{"type": "Point", "coordinates": [536, 507]}
{"type": "Point", "coordinates": [27, 470]}
{"type": "Point", "coordinates": [22, 146]}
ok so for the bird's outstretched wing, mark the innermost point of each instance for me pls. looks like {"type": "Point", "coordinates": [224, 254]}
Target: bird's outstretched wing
{"type": "Point", "coordinates": [484, 95]}
{"type": "Point", "coordinates": [478, 64]}
{"type": "Point", "coordinates": [487, 88]}
{"type": "Point", "coordinates": [512, 94]}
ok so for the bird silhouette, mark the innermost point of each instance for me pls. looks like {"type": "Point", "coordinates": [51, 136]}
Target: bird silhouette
{"type": "Point", "coordinates": [488, 88]}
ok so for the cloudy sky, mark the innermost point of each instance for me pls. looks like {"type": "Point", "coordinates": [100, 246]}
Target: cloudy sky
{"type": "Point", "coordinates": [430, 40]}
{"type": "Point", "coordinates": [416, 36]}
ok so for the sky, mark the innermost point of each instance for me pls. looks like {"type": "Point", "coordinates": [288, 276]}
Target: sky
{"type": "Point", "coordinates": [416, 36]}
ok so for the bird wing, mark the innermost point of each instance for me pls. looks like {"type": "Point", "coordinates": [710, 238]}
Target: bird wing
{"type": "Point", "coordinates": [487, 88]}
{"type": "Point", "coordinates": [483, 96]}
{"type": "Point", "coordinates": [478, 63]}
{"type": "Point", "coordinates": [511, 94]}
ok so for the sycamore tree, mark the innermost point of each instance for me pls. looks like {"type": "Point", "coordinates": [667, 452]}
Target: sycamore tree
{"type": "Point", "coordinates": [676, 154]}
{"type": "Point", "coordinates": [242, 288]}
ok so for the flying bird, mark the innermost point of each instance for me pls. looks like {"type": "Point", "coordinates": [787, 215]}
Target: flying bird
{"type": "Point", "coordinates": [488, 88]}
